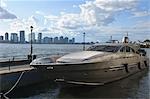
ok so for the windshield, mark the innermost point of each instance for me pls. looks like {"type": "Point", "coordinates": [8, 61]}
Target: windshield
{"type": "Point", "coordinates": [104, 48]}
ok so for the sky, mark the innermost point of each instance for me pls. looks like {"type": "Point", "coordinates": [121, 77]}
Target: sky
{"type": "Point", "coordinates": [99, 19]}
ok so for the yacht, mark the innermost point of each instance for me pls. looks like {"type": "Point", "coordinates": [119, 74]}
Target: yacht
{"type": "Point", "coordinates": [98, 65]}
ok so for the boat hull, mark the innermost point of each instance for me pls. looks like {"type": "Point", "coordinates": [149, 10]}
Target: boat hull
{"type": "Point", "coordinates": [98, 73]}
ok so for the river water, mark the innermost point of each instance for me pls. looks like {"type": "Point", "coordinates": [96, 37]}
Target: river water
{"type": "Point", "coordinates": [135, 86]}
{"type": "Point", "coordinates": [22, 50]}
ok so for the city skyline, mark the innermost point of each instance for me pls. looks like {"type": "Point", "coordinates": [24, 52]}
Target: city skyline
{"type": "Point", "coordinates": [99, 19]}
{"type": "Point", "coordinates": [39, 39]}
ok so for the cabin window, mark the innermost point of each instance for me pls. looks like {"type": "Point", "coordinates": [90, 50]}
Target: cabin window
{"type": "Point", "coordinates": [142, 52]}
{"type": "Point", "coordinates": [127, 49]}
{"type": "Point", "coordinates": [104, 48]}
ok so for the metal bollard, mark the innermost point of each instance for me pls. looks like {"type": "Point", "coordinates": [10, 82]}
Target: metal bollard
{"type": "Point", "coordinates": [9, 65]}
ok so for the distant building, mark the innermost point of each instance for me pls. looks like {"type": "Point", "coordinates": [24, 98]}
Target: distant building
{"type": "Point", "coordinates": [46, 40]}
{"type": "Point", "coordinates": [22, 36]}
{"type": "Point", "coordinates": [40, 38]}
{"type": "Point", "coordinates": [61, 39]}
{"type": "Point", "coordinates": [66, 40]}
{"type": "Point", "coordinates": [14, 37]}
{"type": "Point", "coordinates": [33, 37]}
{"type": "Point", "coordinates": [51, 40]}
{"type": "Point", "coordinates": [72, 41]}
{"type": "Point", "coordinates": [6, 36]}
{"type": "Point", "coordinates": [56, 40]}
{"type": "Point", "coordinates": [1, 38]}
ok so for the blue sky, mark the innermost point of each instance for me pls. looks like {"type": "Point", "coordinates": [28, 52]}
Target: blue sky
{"type": "Point", "coordinates": [99, 19]}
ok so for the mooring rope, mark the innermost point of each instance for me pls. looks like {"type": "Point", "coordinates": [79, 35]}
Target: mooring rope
{"type": "Point", "coordinates": [4, 95]}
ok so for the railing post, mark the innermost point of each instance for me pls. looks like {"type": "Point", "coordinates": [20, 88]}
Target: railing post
{"type": "Point", "coordinates": [13, 58]}
{"type": "Point", "coordinates": [84, 41]}
{"type": "Point", "coordinates": [9, 65]}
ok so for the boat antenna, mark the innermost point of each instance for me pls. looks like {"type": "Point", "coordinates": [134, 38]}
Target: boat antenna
{"type": "Point", "coordinates": [84, 41]}
{"type": "Point", "coordinates": [111, 38]}
{"type": "Point", "coordinates": [127, 34]}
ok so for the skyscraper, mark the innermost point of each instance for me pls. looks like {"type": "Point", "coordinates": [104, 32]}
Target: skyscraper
{"type": "Point", "coordinates": [46, 40]}
{"type": "Point", "coordinates": [66, 40]}
{"type": "Point", "coordinates": [33, 37]}
{"type": "Point", "coordinates": [51, 40]}
{"type": "Point", "coordinates": [6, 37]}
{"type": "Point", "coordinates": [61, 39]}
{"type": "Point", "coordinates": [40, 38]}
{"type": "Point", "coordinates": [1, 38]}
{"type": "Point", "coordinates": [22, 36]}
{"type": "Point", "coordinates": [14, 37]}
{"type": "Point", "coordinates": [73, 40]}
{"type": "Point", "coordinates": [56, 40]}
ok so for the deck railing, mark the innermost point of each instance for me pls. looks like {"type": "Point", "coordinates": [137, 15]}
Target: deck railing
{"type": "Point", "coordinates": [8, 62]}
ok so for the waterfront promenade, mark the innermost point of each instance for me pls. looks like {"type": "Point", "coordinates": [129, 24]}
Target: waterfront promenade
{"type": "Point", "coordinates": [5, 70]}
{"type": "Point", "coordinates": [24, 73]}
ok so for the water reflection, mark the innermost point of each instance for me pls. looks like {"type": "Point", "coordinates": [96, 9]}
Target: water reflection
{"type": "Point", "coordinates": [43, 89]}
{"type": "Point", "coordinates": [135, 86]}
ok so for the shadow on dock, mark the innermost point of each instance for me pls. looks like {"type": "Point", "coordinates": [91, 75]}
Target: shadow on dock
{"type": "Point", "coordinates": [35, 90]}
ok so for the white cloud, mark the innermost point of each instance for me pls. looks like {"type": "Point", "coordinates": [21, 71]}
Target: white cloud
{"type": "Point", "coordinates": [24, 24]}
{"type": "Point", "coordinates": [95, 17]}
{"type": "Point", "coordinates": [39, 13]}
{"type": "Point", "coordinates": [50, 20]}
{"type": "Point", "coordinates": [101, 12]}
{"type": "Point", "coordinates": [143, 25]}
{"type": "Point", "coordinates": [70, 21]}
{"type": "Point", "coordinates": [44, 30]}
{"type": "Point", "coordinates": [115, 5]}
{"type": "Point", "coordinates": [141, 13]}
{"type": "Point", "coordinates": [16, 25]}
{"type": "Point", "coordinates": [3, 3]}
{"type": "Point", "coordinates": [51, 17]}
{"type": "Point", "coordinates": [93, 13]}
{"type": "Point", "coordinates": [4, 14]}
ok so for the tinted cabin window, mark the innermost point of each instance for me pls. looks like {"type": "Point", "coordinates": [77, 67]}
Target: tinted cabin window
{"type": "Point", "coordinates": [104, 48]}
{"type": "Point", "coordinates": [142, 52]}
{"type": "Point", "coordinates": [127, 49]}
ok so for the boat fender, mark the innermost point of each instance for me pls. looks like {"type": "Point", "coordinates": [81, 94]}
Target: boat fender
{"type": "Point", "coordinates": [139, 66]}
{"type": "Point", "coordinates": [126, 67]}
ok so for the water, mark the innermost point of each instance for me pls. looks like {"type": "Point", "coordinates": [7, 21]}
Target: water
{"type": "Point", "coordinates": [8, 51]}
{"type": "Point", "coordinates": [135, 86]}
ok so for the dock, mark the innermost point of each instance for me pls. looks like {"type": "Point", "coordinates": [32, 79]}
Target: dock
{"type": "Point", "coordinates": [10, 74]}
{"type": "Point", "coordinates": [13, 69]}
